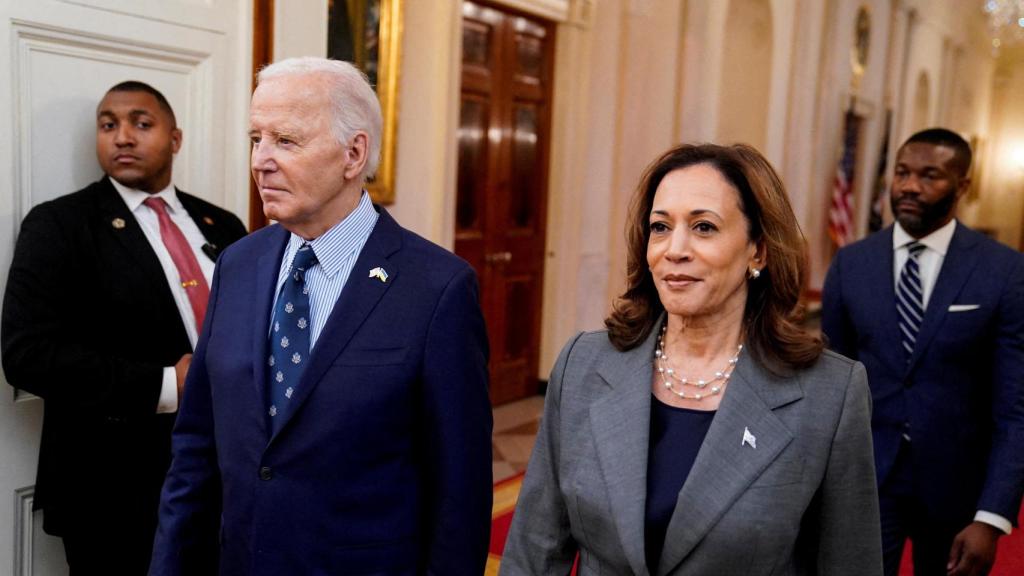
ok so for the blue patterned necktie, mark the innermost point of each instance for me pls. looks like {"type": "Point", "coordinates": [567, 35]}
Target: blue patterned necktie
{"type": "Point", "coordinates": [910, 298]}
{"type": "Point", "coordinates": [289, 337]}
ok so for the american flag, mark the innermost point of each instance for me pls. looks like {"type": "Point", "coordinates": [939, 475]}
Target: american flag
{"type": "Point", "coordinates": [840, 213]}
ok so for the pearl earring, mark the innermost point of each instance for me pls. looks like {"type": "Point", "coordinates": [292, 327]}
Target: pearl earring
{"type": "Point", "coordinates": [755, 273]}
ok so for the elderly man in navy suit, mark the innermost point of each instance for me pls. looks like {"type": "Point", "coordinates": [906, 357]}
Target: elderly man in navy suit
{"type": "Point", "coordinates": [336, 417]}
{"type": "Point", "coordinates": [935, 311]}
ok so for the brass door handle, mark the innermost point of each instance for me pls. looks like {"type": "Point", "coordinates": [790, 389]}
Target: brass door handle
{"type": "Point", "coordinates": [496, 257]}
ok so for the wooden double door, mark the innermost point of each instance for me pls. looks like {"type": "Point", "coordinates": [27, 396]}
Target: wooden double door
{"type": "Point", "coordinates": [503, 143]}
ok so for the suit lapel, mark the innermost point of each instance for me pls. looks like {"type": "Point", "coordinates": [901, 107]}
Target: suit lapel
{"type": "Point", "coordinates": [265, 274]}
{"type": "Point", "coordinates": [121, 223]}
{"type": "Point", "coordinates": [957, 267]}
{"type": "Point", "coordinates": [620, 423]}
{"type": "Point", "coordinates": [726, 466]}
{"type": "Point", "coordinates": [357, 300]}
{"type": "Point", "coordinates": [206, 223]}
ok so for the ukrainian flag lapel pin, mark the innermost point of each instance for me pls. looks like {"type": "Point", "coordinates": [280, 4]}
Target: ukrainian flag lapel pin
{"type": "Point", "coordinates": [379, 273]}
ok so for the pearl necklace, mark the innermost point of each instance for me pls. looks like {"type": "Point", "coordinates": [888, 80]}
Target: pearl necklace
{"type": "Point", "coordinates": [668, 373]}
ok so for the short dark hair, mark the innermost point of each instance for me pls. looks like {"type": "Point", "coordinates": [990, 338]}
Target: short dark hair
{"type": "Point", "coordinates": [136, 86]}
{"type": "Point", "coordinates": [942, 137]}
{"type": "Point", "coordinates": [771, 319]}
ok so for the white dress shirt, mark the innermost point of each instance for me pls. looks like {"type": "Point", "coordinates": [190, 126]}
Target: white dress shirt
{"type": "Point", "coordinates": [336, 253]}
{"type": "Point", "coordinates": [150, 225]}
{"type": "Point", "coordinates": [929, 262]}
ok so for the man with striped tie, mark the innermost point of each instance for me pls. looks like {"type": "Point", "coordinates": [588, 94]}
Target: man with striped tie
{"type": "Point", "coordinates": [935, 311]}
{"type": "Point", "coordinates": [104, 304]}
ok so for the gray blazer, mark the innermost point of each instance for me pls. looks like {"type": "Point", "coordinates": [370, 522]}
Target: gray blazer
{"type": "Point", "coordinates": [798, 499]}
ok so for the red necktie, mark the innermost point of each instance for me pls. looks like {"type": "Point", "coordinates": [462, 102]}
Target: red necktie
{"type": "Point", "coordinates": [192, 279]}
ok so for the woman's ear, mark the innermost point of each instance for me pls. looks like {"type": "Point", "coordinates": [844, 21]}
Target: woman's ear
{"type": "Point", "coordinates": [760, 257]}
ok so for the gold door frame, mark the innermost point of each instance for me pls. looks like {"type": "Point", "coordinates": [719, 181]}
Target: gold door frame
{"type": "Point", "coordinates": [383, 187]}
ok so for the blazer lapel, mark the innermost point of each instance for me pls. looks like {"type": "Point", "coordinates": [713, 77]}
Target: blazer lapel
{"type": "Point", "coordinates": [265, 274]}
{"type": "Point", "coordinates": [357, 300]}
{"type": "Point", "coordinates": [118, 219]}
{"type": "Point", "coordinates": [957, 267]}
{"type": "Point", "coordinates": [726, 465]}
{"type": "Point", "coordinates": [620, 423]}
{"type": "Point", "coordinates": [207, 224]}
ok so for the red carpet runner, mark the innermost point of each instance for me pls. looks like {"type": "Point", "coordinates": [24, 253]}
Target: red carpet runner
{"type": "Point", "coordinates": [1009, 561]}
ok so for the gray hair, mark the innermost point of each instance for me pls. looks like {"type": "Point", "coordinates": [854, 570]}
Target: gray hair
{"type": "Point", "coordinates": [353, 101]}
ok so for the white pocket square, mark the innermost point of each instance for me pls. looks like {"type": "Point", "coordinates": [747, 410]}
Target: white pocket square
{"type": "Point", "coordinates": [963, 307]}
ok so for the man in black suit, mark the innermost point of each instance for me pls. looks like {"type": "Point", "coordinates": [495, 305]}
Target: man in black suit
{"type": "Point", "coordinates": [105, 300]}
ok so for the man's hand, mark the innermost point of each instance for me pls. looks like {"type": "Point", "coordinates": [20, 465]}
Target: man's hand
{"type": "Point", "coordinates": [181, 370]}
{"type": "Point", "coordinates": [974, 550]}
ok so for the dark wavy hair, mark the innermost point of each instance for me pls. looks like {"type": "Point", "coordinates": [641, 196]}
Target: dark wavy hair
{"type": "Point", "coordinates": [771, 318]}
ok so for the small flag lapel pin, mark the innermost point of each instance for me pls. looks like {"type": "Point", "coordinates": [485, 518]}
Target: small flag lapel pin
{"type": "Point", "coordinates": [749, 438]}
{"type": "Point", "coordinates": [379, 273]}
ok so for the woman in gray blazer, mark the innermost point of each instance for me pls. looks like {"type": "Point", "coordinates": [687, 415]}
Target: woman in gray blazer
{"type": "Point", "coordinates": [704, 432]}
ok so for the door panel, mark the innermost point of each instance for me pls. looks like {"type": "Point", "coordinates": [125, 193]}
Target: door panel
{"type": "Point", "coordinates": [502, 179]}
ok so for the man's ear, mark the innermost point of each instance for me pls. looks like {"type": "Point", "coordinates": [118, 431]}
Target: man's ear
{"type": "Point", "coordinates": [176, 140]}
{"type": "Point", "coordinates": [356, 154]}
{"type": "Point", "coordinates": [962, 186]}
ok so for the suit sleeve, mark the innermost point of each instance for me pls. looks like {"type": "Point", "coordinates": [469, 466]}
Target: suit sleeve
{"type": "Point", "coordinates": [849, 528]}
{"type": "Point", "coordinates": [457, 417]}
{"type": "Point", "coordinates": [540, 542]}
{"type": "Point", "coordinates": [1004, 480]}
{"type": "Point", "coordinates": [46, 348]}
{"type": "Point", "coordinates": [835, 321]}
{"type": "Point", "coordinates": [186, 542]}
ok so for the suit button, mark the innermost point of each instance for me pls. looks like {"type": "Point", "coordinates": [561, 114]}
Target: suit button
{"type": "Point", "coordinates": [265, 473]}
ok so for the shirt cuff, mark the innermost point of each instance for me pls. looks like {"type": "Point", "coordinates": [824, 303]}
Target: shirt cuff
{"type": "Point", "coordinates": [168, 402]}
{"type": "Point", "coordinates": [994, 520]}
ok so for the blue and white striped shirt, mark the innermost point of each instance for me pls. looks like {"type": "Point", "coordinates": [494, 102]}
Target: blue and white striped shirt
{"type": "Point", "coordinates": [336, 253]}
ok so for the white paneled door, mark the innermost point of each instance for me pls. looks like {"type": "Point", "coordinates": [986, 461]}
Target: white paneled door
{"type": "Point", "coordinates": [57, 58]}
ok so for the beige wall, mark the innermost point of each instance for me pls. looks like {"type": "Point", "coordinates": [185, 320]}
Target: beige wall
{"type": "Point", "coordinates": [1000, 207]}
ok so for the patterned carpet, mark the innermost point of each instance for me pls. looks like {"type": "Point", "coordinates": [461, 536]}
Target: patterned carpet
{"type": "Point", "coordinates": [506, 493]}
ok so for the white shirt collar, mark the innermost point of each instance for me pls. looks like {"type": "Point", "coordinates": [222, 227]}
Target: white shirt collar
{"type": "Point", "coordinates": [333, 247]}
{"type": "Point", "coordinates": [937, 241]}
{"type": "Point", "coordinates": [134, 198]}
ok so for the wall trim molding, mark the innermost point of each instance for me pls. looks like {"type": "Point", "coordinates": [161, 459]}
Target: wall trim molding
{"type": "Point", "coordinates": [191, 14]}
{"type": "Point", "coordinates": [24, 527]}
{"type": "Point", "coordinates": [557, 10]}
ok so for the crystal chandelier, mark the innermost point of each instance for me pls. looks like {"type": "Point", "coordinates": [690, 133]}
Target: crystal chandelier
{"type": "Point", "coordinates": [1005, 21]}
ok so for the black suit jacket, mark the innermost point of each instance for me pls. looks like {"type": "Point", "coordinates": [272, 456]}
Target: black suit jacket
{"type": "Point", "coordinates": [89, 323]}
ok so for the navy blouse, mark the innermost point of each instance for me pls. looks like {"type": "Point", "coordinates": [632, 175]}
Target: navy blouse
{"type": "Point", "coordinates": [676, 436]}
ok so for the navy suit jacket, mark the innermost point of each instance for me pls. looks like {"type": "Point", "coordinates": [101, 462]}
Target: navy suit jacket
{"type": "Point", "coordinates": [961, 396]}
{"type": "Point", "coordinates": [382, 466]}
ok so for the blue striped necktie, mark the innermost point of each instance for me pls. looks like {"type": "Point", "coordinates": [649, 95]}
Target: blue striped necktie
{"type": "Point", "coordinates": [910, 298]}
{"type": "Point", "coordinates": [289, 337]}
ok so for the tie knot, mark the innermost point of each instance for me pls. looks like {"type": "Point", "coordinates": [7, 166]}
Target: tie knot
{"type": "Point", "coordinates": [156, 204]}
{"type": "Point", "coordinates": [915, 249]}
{"type": "Point", "coordinates": [304, 259]}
